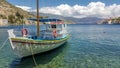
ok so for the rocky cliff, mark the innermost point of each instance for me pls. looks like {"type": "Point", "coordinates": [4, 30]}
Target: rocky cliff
{"type": "Point", "coordinates": [14, 14]}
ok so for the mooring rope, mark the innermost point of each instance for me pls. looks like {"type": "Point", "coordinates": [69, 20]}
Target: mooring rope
{"type": "Point", "coordinates": [3, 44]}
{"type": "Point", "coordinates": [33, 56]}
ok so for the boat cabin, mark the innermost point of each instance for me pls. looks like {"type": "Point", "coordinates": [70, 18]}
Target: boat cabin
{"type": "Point", "coordinates": [52, 29]}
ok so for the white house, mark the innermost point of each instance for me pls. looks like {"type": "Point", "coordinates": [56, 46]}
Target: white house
{"type": "Point", "coordinates": [3, 22]}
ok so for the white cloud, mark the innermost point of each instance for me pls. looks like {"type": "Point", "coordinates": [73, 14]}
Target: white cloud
{"type": "Point", "coordinates": [93, 9]}
{"type": "Point", "coordinates": [26, 8]}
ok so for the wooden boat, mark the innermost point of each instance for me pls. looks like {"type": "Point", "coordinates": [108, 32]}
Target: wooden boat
{"type": "Point", "coordinates": [27, 42]}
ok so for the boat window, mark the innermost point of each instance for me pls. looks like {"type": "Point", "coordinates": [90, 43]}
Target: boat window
{"type": "Point", "coordinates": [53, 26]}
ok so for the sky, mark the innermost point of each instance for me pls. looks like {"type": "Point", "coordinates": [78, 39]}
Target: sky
{"type": "Point", "coordinates": [73, 8]}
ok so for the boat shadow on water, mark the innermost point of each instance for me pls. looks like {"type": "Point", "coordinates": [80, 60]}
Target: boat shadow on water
{"type": "Point", "coordinates": [41, 59]}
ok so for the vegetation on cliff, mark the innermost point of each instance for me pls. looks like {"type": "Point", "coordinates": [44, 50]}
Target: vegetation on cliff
{"type": "Point", "coordinates": [14, 14]}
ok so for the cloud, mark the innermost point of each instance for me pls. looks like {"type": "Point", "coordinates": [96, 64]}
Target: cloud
{"type": "Point", "coordinates": [93, 9]}
{"type": "Point", "coordinates": [26, 8]}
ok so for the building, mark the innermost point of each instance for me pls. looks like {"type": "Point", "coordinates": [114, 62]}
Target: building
{"type": "Point", "coordinates": [3, 22]}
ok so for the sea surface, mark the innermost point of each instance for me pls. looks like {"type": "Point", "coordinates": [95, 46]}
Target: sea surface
{"type": "Point", "coordinates": [90, 46]}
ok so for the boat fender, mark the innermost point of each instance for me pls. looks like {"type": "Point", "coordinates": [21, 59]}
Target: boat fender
{"type": "Point", "coordinates": [24, 32]}
{"type": "Point", "coordinates": [55, 33]}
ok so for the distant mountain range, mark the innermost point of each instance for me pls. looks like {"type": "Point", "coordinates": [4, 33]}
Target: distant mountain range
{"type": "Point", "coordinates": [72, 20]}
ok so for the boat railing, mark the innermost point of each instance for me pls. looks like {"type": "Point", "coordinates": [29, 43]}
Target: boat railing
{"type": "Point", "coordinates": [49, 31]}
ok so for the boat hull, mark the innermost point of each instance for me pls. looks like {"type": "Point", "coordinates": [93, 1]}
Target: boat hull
{"type": "Point", "coordinates": [26, 47]}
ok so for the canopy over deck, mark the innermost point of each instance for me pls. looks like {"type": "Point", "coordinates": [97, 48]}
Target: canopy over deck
{"type": "Point", "coordinates": [45, 20]}
{"type": "Point", "coordinates": [48, 21]}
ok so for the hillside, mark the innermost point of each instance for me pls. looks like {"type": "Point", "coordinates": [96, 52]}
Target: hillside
{"type": "Point", "coordinates": [12, 13]}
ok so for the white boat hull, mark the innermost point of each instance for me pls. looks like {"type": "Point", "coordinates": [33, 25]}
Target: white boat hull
{"type": "Point", "coordinates": [23, 50]}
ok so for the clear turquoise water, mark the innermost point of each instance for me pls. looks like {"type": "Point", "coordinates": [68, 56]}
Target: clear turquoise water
{"type": "Point", "coordinates": [90, 46]}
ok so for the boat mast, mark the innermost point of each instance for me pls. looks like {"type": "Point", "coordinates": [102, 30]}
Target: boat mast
{"type": "Point", "coordinates": [38, 24]}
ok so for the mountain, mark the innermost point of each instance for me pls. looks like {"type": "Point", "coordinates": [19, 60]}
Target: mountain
{"type": "Point", "coordinates": [85, 20]}
{"type": "Point", "coordinates": [12, 13]}
{"type": "Point", "coordinates": [72, 20]}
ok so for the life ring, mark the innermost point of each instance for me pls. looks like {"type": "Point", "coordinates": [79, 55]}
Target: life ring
{"type": "Point", "coordinates": [24, 32]}
{"type": "Point", "coordinates": [55, 33]}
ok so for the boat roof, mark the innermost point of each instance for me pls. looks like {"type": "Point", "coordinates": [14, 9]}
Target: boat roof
{"type": "Point", "coordinates": [45, 20]}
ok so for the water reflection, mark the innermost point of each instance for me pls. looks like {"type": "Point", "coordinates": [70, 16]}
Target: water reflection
{"type": "Point", "coordinates": [47, 59]}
